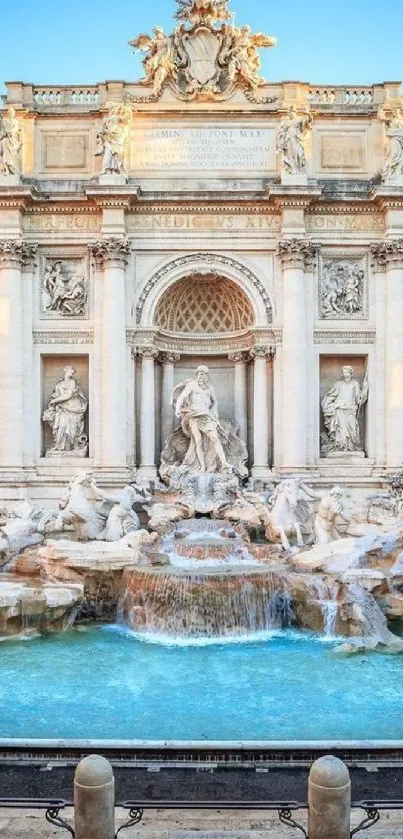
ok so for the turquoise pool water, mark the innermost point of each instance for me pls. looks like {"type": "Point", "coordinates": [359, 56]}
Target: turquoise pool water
{"type": "Point", "coordinates": [107, 684]}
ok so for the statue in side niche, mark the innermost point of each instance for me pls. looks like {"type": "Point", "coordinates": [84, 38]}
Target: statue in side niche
{"type": "Point", "coordinates": [341, 408]}
{"type": "Point", "coordinates": [65, 413]}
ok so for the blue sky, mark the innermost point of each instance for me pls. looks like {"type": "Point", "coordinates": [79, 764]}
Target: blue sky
{"type": "Point", "coordinates": [84, 41]}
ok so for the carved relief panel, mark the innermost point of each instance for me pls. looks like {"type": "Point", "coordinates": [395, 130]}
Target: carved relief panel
{"type": "Point", "coordinates": [64, 285]}
{"type": "Point", "coordinates": [343, 283]}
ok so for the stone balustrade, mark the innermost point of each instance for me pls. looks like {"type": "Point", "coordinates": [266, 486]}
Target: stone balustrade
{"type": "Point", "coordinates": [353, 96]}
{"type": "Point", "coordinates": [50, 96]}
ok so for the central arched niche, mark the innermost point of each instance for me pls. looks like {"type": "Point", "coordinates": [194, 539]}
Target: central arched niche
{"type": "Point", "coordinates": [203, 304]}
{"type": "Point", "coordinates": [198, 310]}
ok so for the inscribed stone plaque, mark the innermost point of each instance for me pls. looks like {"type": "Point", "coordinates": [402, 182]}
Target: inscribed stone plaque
{"type": "Point", "coordinates": [204, 149]}
{"type": "Point", "coordinates": [65, 151]}
{"type": "Point", "coordinates": [211, 223]}
{"type": "Point", "coordinates": [349, 223]}
{"type": "Point", "coordinates": [342, 151]}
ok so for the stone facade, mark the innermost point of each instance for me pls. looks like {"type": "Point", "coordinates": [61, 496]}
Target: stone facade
{"type": "Point", "coordinates": [143, 237]}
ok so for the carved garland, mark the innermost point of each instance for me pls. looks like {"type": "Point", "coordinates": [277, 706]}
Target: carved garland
{"type": "Point", "coordinates": [325, 337]}
{"type": "Point", "coordinates": [208, 259]}
{"type": "Point", "coordinates": [65, 337]}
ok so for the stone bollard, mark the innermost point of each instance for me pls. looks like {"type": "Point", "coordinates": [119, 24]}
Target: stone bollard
{"type": "Point", "coordinates": [329, 796]}
{"type": "Point", "coordinates": [94, 799]}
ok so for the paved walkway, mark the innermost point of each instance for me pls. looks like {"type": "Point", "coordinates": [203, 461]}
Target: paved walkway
{"type": "Point", "coordinates": [195, 824]}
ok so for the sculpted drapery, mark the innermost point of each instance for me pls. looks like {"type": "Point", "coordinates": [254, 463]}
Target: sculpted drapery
{"type": "Point", "coordinates": [65, 414]}
{"type": "Point", "coordinates": [197, 409]}
{"type": "Point", "coordinates": [341, 407]}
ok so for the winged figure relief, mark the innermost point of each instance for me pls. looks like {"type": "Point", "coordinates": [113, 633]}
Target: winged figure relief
{"type": "Point", "coordinates": [159, 61]}
{"type": "Point", "coordinates": [241, 50]}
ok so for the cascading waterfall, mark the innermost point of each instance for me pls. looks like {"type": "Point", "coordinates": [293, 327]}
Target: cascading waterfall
{"type": "Point", "coordinates": [325, 593]}
{"type": "Point", "coordinates": [376, 625]}
{"type": "Point", "coordinates": [193, 605]}
{"type": "Point", "coordinates": [31, 616]}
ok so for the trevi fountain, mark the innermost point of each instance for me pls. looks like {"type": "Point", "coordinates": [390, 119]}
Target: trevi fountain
{"type": "Point", "coordinates": [201, 368]}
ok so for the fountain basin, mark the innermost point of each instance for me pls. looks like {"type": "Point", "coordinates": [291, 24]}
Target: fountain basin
{"type": "Point", "coordinates": [105, 684]}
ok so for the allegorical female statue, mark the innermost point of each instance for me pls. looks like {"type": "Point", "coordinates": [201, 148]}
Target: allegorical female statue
{"type": "Point", "coordinates": [112, 139]}
{"type": "Point", "coordinates": [290, 141]}
{"type": "Point", "coordinates": [341, 408]}
{"type": "Point", "coordinates": [65, 414]}
{"type": "Point", "coordinates": [394, 131]}
{"type": "Point", "coordinates": [10, 143]}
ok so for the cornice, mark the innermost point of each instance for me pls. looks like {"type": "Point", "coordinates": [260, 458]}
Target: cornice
{"type": "Point", "coordinates": [203, 209]}
{"type": "Point", "coordinates": [326, 336]}
{"type": "Point", "coordinates": [211, 344]}
{"type": "Point", "coordinates": [113, 196]}
{"type": "Point", "coordinates": [52, 209]}
{"type": "Point", "coordinates": [343, 208]}
{"type": "Point", "coordinates": [388, 196]}
{"type": "Point", "coordinates": [294, 196]}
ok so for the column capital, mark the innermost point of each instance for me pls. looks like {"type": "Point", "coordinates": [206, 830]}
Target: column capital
{"type": "Point", "coordinates": [238, 356]}
{"type": "Point", "coordinates": [148, 352]}
{"type": "Point", "coordinates": [112, 251]}
{"type": "Point", "coordinates": [387, 254]}
{"type": "Point", "coordinates": [15, 253]}
{"type": "Point", "coordinates": [261, 352]}
{"type": "Point", "coordinates": [297, 253]}
{"type": "Point", "coordinates": [168, 357]}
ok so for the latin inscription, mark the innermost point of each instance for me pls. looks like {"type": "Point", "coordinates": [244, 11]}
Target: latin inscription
{"type": "Point", "coordinates": [347, 223]}
{"type": "Point", "coordinates": [201, 223]}
{"type": "Point", "coordinates": [56, 221]}
{"type": "Point", "coordinates": [203, 149]}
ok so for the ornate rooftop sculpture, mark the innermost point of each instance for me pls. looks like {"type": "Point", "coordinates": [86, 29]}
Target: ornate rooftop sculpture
{"type": "Point", "coordinates": [206, 56]}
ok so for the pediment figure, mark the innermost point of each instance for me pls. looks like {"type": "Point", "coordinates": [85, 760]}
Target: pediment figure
{"type": "Point", "coordinates": [205, 57]}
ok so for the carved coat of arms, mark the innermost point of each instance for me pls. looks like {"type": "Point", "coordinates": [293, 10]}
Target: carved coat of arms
{"type": "Point", "coordinates": [206, 55]}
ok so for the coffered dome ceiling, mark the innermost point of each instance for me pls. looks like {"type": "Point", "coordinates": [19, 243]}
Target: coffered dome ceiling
{"type": "Point", "coordinates": [204, 303]}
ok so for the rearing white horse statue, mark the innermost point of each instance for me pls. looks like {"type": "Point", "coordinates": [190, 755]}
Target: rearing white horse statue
{"type": "Point", "coordinates": [282, 522]}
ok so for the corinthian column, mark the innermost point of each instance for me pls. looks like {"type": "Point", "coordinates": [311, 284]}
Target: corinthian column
{"type": "Point", "coordinates": [168, 360]}
{"type": "Point", "coordinates": [260, 411]}
{"type": "Point", "coordinates": [12, 255]}
{"type": "Point", "coordinates": [240, 393]}
{"type": "Point", "coordinates": [388, 257]}
{"type": "Point", "coordinates": [147, 413]}
{"type": "Point", "coordinates": [295, 256]}
{"type": "Point", "coordinates": [113, 256]}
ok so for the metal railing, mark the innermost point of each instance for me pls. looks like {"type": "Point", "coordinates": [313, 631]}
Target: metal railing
{"type": "Point", "coordinates": [136, 809]}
